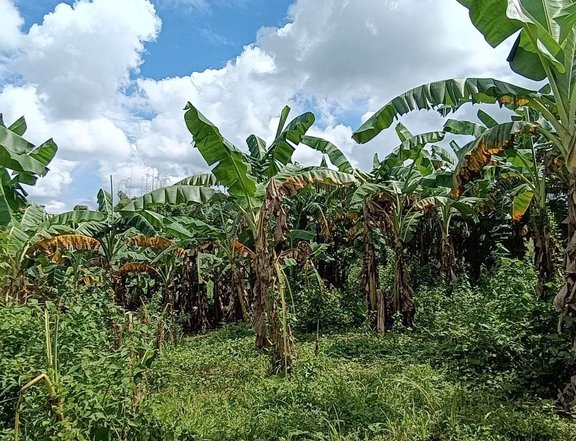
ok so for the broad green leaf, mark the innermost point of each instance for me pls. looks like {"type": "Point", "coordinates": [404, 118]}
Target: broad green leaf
{"type": "Point", "coordinates": [45, 152]}
{"type": "Point", "coordinates": [173, 195]}
{"type": "Point", "coordinates": [445, 96]}
{"type": "Point", "coordinates": [489, 17]}
{"type": "Point", "coordinates": [486, 119]}
{"type": "Point", "coordinates": [468, 128]}
{"type": "Point", "coordinates": [14, 142]}
{"type": "Point", "coordinates": [281, 150]}
{"type": "Point", "coordinates": [33, 216]}
{"type": "Point", "coordinates": [20, 162]}
{"type": "Point", "coordinates": [301, 235]}
{"type": "Point", "coordinates": [104, 201]}
{"type": "Point", "coordinates": [231, 165]}
{"type": "Point", "coordinates": [200, 179]}
{"type": "Point", "coordinates": [337, 158]}
{"type": "Point", "coordinates": [257, 147]}
{"type": "Point", "coordinates": [75, 217]}
{"type": "Point", "coordinates": [19, 126]}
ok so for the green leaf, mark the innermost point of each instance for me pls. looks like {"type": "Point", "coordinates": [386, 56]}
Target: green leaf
{"type": "Point", "coordinates": [486, 119]}
{"type": "Point", "coordinates": [301, 235]}
{"type": "Point", "coordinates": [257, 147]}
{"type": "Point", "coordinates": [544, 25]}
{"type": "Point", "coordinates": [489, 17]}
{"type": "Point", "coordinates": [231, 165]}
{"type": "Point", "coordinates": [468, 128]}
{"type": "Point", "coordinates": [45, 152]}
{"type": "Point", "coordinates": [14, 142]}
{"type": "Point", "coordinates": [521, 203]}
{"type": "Point", "coordinates": [337, 158]}
{"type": "Point", "coordinates": [74, 217]}
{"type": "Point", "coordinates": [283, 118]}
{"type": "Point", "coordinates": [173, 195]}
{"type": "Point", "coordinates": [20, 162]}
{"type": "Point", "coordinates": [402, 132]}
{"type": "Point", "coordinates": [200, 179]}
{"type": "Point", "coordinates": [281, 150]}
{"type": "Point", "coordinates": [445, 96]}
{"type": "Point", "coordinates": [19, 126]}
{"type": "Point", "coordinates": [33, 216]}
{"type": "Point", "coordinates": [104, 201]}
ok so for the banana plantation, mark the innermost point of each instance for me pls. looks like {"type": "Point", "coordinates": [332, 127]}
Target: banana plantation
{"type": "Point", "coordinates": [430, 297]}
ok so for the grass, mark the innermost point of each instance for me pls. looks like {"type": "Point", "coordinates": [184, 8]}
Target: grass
{"type": "Point", "coordinates": [218, 387]}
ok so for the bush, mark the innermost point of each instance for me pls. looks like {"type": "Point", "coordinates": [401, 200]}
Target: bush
{"type": "Point", "coordinates": [498, 334]}
{"type": "Point", "coordinates": [98, 384]}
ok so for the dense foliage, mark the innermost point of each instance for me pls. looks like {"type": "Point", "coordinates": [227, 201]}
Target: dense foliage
{"type": "Point", "coordinates": [409, 301]}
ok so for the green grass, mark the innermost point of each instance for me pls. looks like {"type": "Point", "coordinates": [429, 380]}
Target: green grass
{"type": "Point", "coordinates": [218, 387]}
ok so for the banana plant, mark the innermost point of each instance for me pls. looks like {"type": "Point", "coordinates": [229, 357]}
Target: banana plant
{"type": "Point", "coordinates": [545, 49]}
{"type": "Point", "coordinates": [20, 163]}
{"type": "Point", "coordinates": [390, 199]}
{"type": "Point", "coordinates": [521, 172]}
{"type": "Point", "coordinates": [38, 233]}
{"type": "Point", "coordinates": [256, 184]}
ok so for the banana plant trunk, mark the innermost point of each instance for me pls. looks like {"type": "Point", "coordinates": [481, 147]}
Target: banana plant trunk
{"type": "Point", "coordinates": [447, 260]}
{"type": "Point", "coordinates": [403, 294]}
{"type": "Point", "coordinates": [270, 324]}
{"type": "Point", "coordinates": [374, 295]}
{"type": "Point", "coordinates": [565, 301]}
{"type": "Point", "coordinates": [544, 251]}
{"type": "Point", "coordinates": [241, 293]}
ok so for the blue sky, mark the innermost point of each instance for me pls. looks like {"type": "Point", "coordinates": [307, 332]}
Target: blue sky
{"type": "Point", "coordinates": [108, 79]}
{"type": "Point", "coordinates": [194, 36]}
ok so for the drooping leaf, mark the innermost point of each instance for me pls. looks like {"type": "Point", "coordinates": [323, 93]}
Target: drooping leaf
{"type": "Point", "coordinates": [53, 246]}
{"type": "Point", "coordinates": [478, 153]}
{"type": "Point", "coordinates": [468, 128]}
{"type": "Point", "coordinates": [337, 158]}
{"type": "Point", "coordinates": [445, 96]}
{"type": "Point", "coordinates": [520, 204]}
{"type": "Point", "coordinates": [74, 217]}
{"type": "Point", "coordinates": [293, 179]}
{"type": "Point", "coordinates": [137, 267]}
{"type": "Point", "coordinates": [155, 242]}
{"type": "Point", "coordinates": [200, 179]}
{"type": "Point", "coordinates": [173, 195]}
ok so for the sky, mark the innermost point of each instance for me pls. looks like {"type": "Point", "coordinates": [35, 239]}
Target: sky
{"type": "Point", "coordinates": [108, 79]}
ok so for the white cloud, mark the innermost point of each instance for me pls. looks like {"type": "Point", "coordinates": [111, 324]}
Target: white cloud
{"type": "Point", "coordinates": [10, 23]}
{"type": "Point", "coordinates": [55, 182]}
{"type": "Point", "coordinates": [341, 58]}
{"type": "Point", "coordinates": [81, 55]}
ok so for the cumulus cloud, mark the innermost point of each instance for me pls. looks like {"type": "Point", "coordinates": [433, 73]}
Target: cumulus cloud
{"type": "Point", "coordinates": [342, 59]}
{"type": "Point", "coordinates": [80, 56]}
{"type": "Point", "coordinates": [10, 23]}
